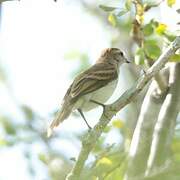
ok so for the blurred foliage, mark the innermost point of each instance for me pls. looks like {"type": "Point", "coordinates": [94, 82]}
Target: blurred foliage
{"type": "Point", "coordinates": [171, 2]}
{"type": "Point", "coordinates": [145, 40]}
{"type": "Point", "coordinates": [78, 56]}
{"type": "Point", "coordinates": [149, 36]}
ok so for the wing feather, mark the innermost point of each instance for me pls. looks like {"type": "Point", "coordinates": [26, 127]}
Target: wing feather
{"type": "Point", "coordinates": [93, 79]}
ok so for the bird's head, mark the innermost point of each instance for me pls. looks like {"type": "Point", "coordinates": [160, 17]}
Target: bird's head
{"type": "Point", "coordinates": [113, 56]}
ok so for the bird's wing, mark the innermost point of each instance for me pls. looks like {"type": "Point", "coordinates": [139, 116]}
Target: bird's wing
{"type": "Point", "coordinates": [93, 79]}
{"type": "Point", "coordinates": [90, 80]}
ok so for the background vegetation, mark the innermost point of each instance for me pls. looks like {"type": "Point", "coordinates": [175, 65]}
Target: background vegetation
{"type": "Point", "coordinates": [136, 26]}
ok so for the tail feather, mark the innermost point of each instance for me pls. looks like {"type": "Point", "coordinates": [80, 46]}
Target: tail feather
{"type": "Point", "coordinates": [60, 117]}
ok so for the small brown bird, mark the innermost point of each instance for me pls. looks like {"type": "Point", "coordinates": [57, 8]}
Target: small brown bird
{"type": "Point", "coordinates": [92, 87]}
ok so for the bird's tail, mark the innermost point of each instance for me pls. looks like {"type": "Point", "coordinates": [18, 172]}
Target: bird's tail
{"type": "Point", "coordinates": [60, 117]}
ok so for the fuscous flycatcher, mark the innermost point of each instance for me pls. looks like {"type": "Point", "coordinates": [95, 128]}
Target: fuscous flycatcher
{"type": "Point", "coordinates": [92, 87]}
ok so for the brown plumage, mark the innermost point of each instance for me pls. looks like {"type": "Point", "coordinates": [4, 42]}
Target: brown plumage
{"type": "Point", "coordinates": [88, 84]}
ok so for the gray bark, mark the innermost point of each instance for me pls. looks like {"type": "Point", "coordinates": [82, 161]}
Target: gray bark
{"type": "Point", "coordinates": [141, 141]}
{"type": "Point", "coordinates": [164, 128]}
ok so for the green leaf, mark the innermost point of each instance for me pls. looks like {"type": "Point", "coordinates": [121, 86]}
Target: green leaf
{"type": "Point", "coordinates": [107, 8]}
{"type": "Point", "coordinates": [161, 28]}
{"type": "Point", "coordinates": [112, 19]}
{"type": "Point", "coordinates": [43, 157]}
{"type": "Point", "coordinates": [8, 126]}
{"type": "Point", "coordinates": [175, 58]}
{"type": "Point", "coordinates": [148, 29]}
{"type": "Point", "coordinates": [152, 50]}
{"type": "Point", "coordinates": [139, 57]}
{"type": "Point", "coordinates": [118, 124]}
{"type": "Point", "coordinates": [170, 36]}
{"type": "Point", "coordinates": [105, 161]}
{"type": "Point", "coordinates": [154, 23]}
{"type": "Point", "coordinates": [28, 112]}
{"type": "Point", "coordinates": [128, 4]}
{"type": "Point", "coordinates": [150, 4]}
{"type": "Point", "coordinates": [170, 3]}
{"type": "Point", "coordinates": [121, 12]}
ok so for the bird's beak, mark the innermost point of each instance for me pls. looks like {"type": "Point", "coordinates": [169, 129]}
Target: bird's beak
{"type": "Point", "coordinates": [127, 61]}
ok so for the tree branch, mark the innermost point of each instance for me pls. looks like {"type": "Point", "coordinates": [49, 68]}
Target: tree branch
{"type": "Point", "coordinates": [164, 128]}
{"type": "Point", "coordinates": [88, 141]}
{"type": "Point", "coordinates": [142, 137]}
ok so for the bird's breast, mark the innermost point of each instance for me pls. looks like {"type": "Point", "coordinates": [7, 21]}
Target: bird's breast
{"type": "Point", "coordinates": [101, 95]}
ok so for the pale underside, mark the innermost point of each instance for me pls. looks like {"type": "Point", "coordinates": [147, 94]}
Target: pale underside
{"type": "Point", "coordinates": [101, 95]}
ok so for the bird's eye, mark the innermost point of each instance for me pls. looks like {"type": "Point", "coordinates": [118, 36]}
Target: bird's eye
{"type": "Point", "coordinates": [121, 53]}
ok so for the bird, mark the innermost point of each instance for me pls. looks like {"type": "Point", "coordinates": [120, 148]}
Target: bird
{"type": "Point", "coordinates": [91, 88]}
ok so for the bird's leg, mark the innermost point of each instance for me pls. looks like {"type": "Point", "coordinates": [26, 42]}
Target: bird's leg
{"type": "Point", "coordinates": [82, 115]}
{"type": "Point", "coordinates": [104, 106]}
{"type": "Point", "coordinates": [98, 103]}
